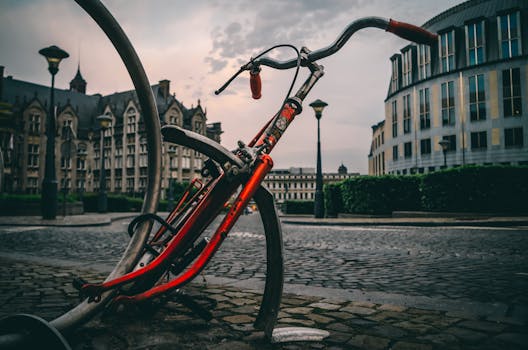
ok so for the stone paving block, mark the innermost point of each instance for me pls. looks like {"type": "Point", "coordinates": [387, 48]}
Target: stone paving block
{"type": "Point", "coordinates": [466, 335]}
{"type": "Point", "coordinates": [389, 307]}
{"type": "Point", "coordinates": [415, 328]}
{"type": "Point", "coordinates": [442, 340]}
{"type": "Point", "coordinates": [364, 341]}
{"type": "Point", "coordinates": [320, 319]}
{"type": "Point", "coordinates": [358, 310]}
{"type": "Point", "coordinates": [289, 321]}
{"type": "Point", "coordinates": [403, 345]}
{"type": "Point", "coordinates": [298, 310]}
{"type": "Point", "coordinates": [325, 306]}
{"type": "Point", "coordinates": [238, 319]}
{"type": "Point", "coordinates": [388, 331]}
{"type": "Point", "coordinates": [484, 326]}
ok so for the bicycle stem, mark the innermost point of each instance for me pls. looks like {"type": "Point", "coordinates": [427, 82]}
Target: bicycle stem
{"type": "Point", "coordinates": [276, 127]}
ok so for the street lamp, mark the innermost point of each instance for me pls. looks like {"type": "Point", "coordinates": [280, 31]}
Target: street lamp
{"type": "Point", "coordinates": [48, 205]}
{"type": "Point", "coordinates": [170, 197]}
{"type": "Point", "coordinates": [318, 107]}
{"type": "Point", "coordinates": [102, 204]}
{"type": "Point", "coordinates": [445, 145]}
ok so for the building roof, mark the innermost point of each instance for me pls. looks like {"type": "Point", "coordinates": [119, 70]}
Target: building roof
{"type": "Point", "coordinates": [458, 15]}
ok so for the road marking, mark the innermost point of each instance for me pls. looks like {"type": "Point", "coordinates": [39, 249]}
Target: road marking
{"type": "Point", "coordinates": [246, 235]}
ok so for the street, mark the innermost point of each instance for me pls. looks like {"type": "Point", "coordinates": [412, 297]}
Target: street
{"type": "Point", "coordinates": [463, 263]}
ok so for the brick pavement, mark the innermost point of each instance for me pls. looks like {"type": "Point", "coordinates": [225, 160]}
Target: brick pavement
{"type": "Point", "coordinates": [45, 290]}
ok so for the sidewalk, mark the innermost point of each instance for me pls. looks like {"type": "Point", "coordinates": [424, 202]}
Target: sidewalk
{"type": "Point", "coordinates": [409, 219]}
{"type": "Point", "coordinates": [354, 320]}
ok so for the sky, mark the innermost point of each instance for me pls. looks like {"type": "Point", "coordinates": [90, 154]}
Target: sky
{"type": "Point", "coordinates": [199, 44]}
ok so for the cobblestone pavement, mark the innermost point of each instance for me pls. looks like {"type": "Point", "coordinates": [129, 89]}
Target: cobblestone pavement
{"type": "Point", "coordinates": [45, 290]}
{"type": "Point", "coordinates": [463, 263]}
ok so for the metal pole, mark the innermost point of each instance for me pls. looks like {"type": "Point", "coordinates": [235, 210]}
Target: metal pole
{"type": "Point", "coordinates": [103, 203]}
{"type": "Point", "coordinates": [49, 184]}
{"type": "Point", "coordinates": [319, 205]}
{"type": "Point", "coordinates": [445, 161]}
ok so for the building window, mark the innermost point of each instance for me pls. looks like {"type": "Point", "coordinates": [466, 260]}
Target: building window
{"type": "Point", "coordinates": [34, 124]}
{"type": "Point", "coordinates": [394, 118]}
{"type": "Point", "coordinates": [477, 98]}
{"type": "Point", "coordinates": [447, 51]}
{"type": "Point", "coordinates": [65, 163]}
{"type": "Point", "coordinates": [511, 89]}
{"type": "Point", "coordinates": [33, 156]}
{"type": "Point", "coordinates": [407, 114]}
{"type": "Point", "coordinates": [425, 115]}
{"type": "Point", "coordinates": [130, 159]}
{"type": "Point", "coordinates": [198, 127]}
{"type": "Point", "coordinates": [131, 121]}
{"type": "Point", "coordinates": [395, 152]}
{"type": "Point", "coordinates": [509, 35]}
{"type": "Point", "coordinates": [479, 140]}
{"type": "Point", "coordinates": [451, 146]}
{"type": "Point", "coordinates": [513, 137]}
{"type": "Point", "coordinates": [407, 149]}
{"type": "Point", "coordinates": [425, 146]}
{"type": "Point", "coordinates": [475, 43]}
{"type": "Point", "coordinates": [448, 103]}
{"type": "Point", "coordinates": [424, 61]}
{"type": "Point", "coordinates": [395, 79]}
{"type": "Point", "coordinates": [407, 67]}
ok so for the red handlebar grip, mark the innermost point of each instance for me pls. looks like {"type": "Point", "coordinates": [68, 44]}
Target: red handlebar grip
{"type": "Point", "coordinates": [411, 32]}
{"type": "Point", "coordinates": [256, 85]}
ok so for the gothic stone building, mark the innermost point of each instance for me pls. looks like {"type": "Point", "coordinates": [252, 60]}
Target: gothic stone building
{"type": "Point", "coordinates": [23, 116]}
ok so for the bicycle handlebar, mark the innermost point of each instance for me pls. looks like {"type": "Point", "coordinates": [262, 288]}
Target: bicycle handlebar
{"type": "Point", "coordinates": [404, 30]}
{"type": "Point", "coordinates": [401, 29]}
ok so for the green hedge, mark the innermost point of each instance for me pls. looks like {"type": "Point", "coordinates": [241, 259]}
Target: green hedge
{"type": "Point", "coordinates": [380, 194]}
{"type": "Point", "coordinates": [479, 189]}
{"type": "Point", "coordinates": [116, 203]}
{"type": "Point", "coordinates": [333, 200]}
{"type": "Point", "coordinates": [298, 207]}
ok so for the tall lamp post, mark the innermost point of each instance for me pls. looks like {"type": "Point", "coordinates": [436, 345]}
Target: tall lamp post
{"type": "Point", "coordinates": [54, 56]}
{"type": "Point", "coordinates": [102, 204]}
{"type": "Point", "coordinates": [318, 107]}
{"type": "Point", "coordinates": [445, 145]}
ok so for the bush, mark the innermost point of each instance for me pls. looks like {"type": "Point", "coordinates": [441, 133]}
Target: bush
{"type": "Point", "coordinates": [333, 199]}
{"type": "Point", "coordinates": [476, 189]}
{"type": "Point", "coordinates": [298, 207]}
{"type": "Point", "coordinates": [116, 203]}
{"type": "Point", "coordinates": [381, 194]}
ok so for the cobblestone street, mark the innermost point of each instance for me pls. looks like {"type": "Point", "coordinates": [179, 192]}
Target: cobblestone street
{"type": "Point", "coordinates": [370, 287]}
{"type": "Point", "coordinates": [464, 263]}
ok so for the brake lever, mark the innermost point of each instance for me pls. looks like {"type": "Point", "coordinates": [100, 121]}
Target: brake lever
{"type": "Point", "coordinates": [247, 66]}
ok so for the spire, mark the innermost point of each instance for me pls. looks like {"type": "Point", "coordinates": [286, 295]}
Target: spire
{"type": "Point", "coordinates": [78, 83]}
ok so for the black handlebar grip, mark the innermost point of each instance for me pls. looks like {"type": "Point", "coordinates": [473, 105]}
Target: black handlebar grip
{"type": "Point", "coordinates": [256, 85]}
{"type": "Point", "coordinates": [412, 32]}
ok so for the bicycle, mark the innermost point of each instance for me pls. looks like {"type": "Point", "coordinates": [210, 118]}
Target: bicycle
{"type": "Point", "coordinates": [158, 262]}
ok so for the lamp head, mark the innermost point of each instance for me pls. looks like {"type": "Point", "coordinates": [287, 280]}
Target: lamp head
{"type": "Point", "coordinates": [104, 121]}
{"type": "Point", "coordinates": [54, 55]}
{"type": "Point", "coordinates": [318, 107]}
{"type": "Point", "coordinates": [444, 144]}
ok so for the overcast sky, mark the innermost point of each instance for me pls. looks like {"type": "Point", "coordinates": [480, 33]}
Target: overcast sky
{"type": "Point", "coordinates": [199, 44]}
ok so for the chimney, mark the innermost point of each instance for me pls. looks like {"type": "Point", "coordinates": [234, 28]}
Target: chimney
{"type": "Point", "coordinates": [164, 86]}
{"type": "Point", "coordinates": [1, 82]}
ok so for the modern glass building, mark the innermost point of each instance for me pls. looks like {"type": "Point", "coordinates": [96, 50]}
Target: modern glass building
{"type": "Point", "coordinates": [463, 101]}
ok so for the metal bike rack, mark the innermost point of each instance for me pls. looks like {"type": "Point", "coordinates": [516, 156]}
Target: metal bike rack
{"type": "Point", "coordinates": [18, 328]}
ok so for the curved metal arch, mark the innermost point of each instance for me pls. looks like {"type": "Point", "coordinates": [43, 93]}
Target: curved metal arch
{"type": "Point", "coordinates": [84, 311]}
